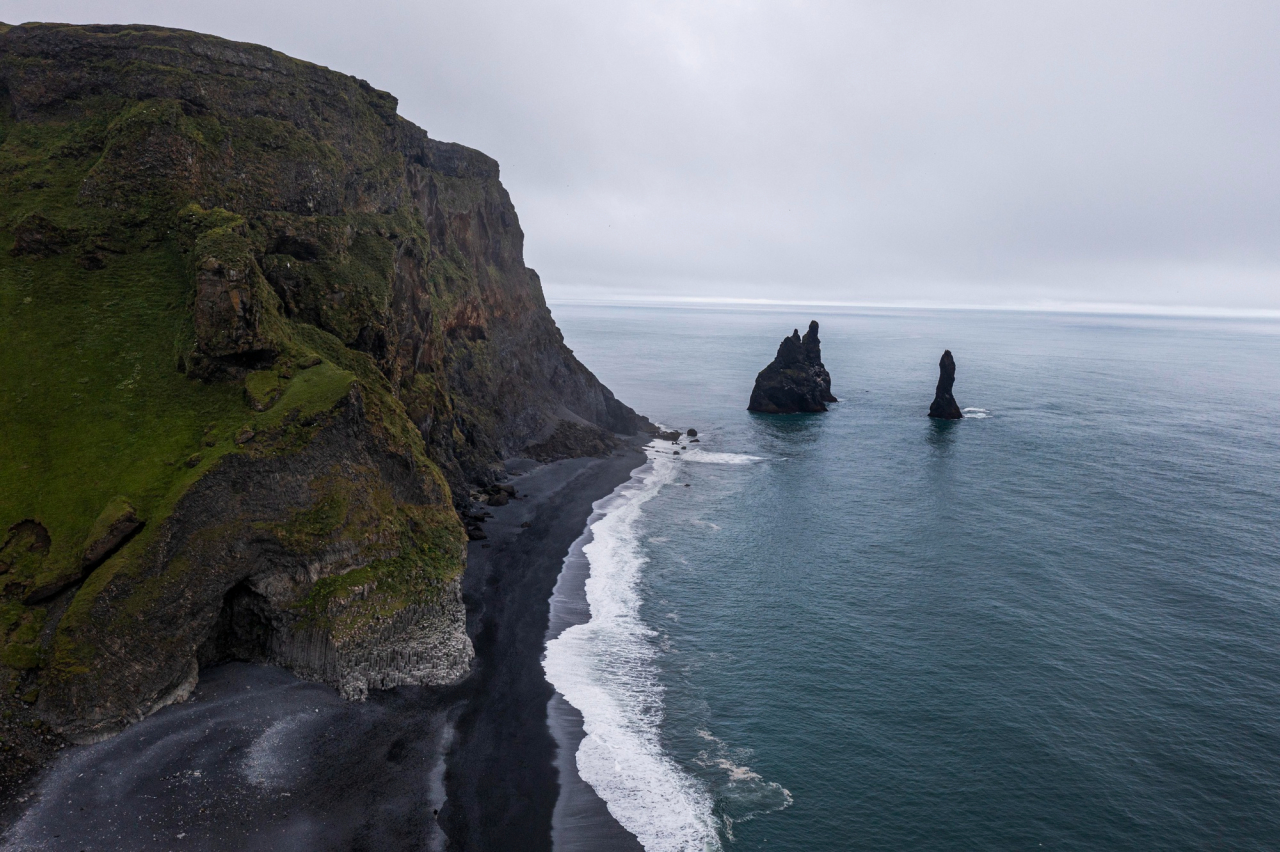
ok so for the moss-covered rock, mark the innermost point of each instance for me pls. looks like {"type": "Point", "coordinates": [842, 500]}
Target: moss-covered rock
{"type": "Point", "coordinates": [256, 327]}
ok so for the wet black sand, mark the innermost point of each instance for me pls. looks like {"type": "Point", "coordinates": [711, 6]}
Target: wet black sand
{"type": "Point", "coordinates": [501, 778]}
{"type": "Point", "coordinates": [258, 760]}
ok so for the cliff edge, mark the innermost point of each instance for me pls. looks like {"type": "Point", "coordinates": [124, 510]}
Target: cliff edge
{"type": "Point", "coordinates": [261, 335]}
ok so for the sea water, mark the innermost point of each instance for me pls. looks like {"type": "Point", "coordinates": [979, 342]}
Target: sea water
{"type": "Point", "coordinates": [1052, 625]}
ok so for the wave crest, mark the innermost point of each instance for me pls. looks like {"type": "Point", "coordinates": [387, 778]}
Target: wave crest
{"type": "Point", "coordinates": [605, 668]}
{"type": "Point", "coordinates": [697, 454]}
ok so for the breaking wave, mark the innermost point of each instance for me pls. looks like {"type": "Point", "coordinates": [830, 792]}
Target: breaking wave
{"type": "Point", "coordinates": [697, 454]}
{"type": "Point", "coordinates": [606, 669]}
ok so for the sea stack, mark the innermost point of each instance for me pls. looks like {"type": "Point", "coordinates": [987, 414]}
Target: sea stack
{"type": "Point", "coordinates": [796, 381]}
{"type": "Point", "coordinates": [944, 404]}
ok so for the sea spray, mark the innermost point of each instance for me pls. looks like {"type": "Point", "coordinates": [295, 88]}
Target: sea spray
{"type": "Point", "coordinates": [606, 669]}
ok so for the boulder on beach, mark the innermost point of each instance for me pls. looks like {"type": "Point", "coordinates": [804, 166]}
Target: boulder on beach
{"type": "Point", "coordinates": [796, 381]}
{"type": "Point", "coordinates": [944, 405]}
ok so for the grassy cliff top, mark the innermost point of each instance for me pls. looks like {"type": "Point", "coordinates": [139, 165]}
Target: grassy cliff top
{"type": "Point", "coordinates": [156, 189]}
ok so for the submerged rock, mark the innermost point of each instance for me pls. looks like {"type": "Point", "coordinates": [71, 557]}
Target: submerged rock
{"type": "Point", "coordinates": [944, 404]}
{"type": "Point", "coordinates": [796, 380]}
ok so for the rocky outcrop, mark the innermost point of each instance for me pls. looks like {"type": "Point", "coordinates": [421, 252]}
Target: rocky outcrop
{"type": "Point", "coordinates": [262, 337]}
{"type": "Point", "coordinates": [944, 406]}
{"type": "Point", "coordinates": [796, 381]}
{"type": "Point", "coordinates": [573, 440]}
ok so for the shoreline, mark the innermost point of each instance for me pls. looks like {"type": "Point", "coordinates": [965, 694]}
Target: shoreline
{"type": "Point", "coordinates": [502, 777]}
{"type": "Point", "coordinates": [581, 821]}
{"type": "Point", "coordinates": [259, 759]}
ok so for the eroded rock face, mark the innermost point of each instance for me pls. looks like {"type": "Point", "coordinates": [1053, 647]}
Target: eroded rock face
{"type": "Point", "coordinates": [319, 540]}
{"type": "Point", "coordinates": [348, 340]}
{"type": "Point", "coordinates": [573, 440]}
{"type": "Point", "coordinates": [944, 406]}
{"type": "Point", "coordinates": [796, 381]}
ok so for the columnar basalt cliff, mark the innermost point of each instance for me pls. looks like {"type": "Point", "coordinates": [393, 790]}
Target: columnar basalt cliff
{"type": "Point", "coordinates": [944, 405]}
{"type": "Point", "coordinates": [796, 381]}
{"type": "Point", "coordinates": [261, 334]}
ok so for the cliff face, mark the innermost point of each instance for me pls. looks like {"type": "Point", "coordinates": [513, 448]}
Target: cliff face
{"type": "Point", "coordinates": [259, 332]}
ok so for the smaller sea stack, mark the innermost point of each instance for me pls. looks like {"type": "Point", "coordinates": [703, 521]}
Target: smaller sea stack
{"type": "Point", "coordinates": [944, 404]}
{"type": "Point", "coordinates": [796, 381]}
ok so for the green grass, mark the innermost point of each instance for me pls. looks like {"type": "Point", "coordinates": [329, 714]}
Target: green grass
{"type": "Point", "coordinates": [92, 405]}
{"type": "Point", "coordinates": [93, 408]}
{"type": "Point", "coordinates": [97, 415]}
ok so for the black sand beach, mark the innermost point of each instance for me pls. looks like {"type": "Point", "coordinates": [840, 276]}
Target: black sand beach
{"type": "Point", "coordinates": [258, 760]}
{"type": "Point", "coordinates": [501, 777]}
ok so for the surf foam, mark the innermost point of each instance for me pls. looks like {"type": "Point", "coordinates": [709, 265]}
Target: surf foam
{"type": "Point", "coordinates": [697, 454]}
{"type": "Point", "coordinates": [606, 669]}
{"type": "Point", "coordinates": [743, 795]}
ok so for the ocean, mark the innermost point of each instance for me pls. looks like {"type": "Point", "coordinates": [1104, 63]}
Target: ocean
{"type": "Point", "coordinates": [1052, 625]}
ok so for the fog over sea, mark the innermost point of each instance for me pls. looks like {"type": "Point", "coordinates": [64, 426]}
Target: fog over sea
{"type": "Point", "coordinates": [1052, 625]}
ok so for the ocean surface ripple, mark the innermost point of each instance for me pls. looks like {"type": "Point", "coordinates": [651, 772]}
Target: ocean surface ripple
{"type": "Point", "coordinates": [1052, 624]}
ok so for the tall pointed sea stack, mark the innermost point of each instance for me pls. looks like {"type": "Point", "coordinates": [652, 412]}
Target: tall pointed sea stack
{"type": "Point", "coordinates": [944, 404]}
{"type": "Point", "coordinates": [796, 380]}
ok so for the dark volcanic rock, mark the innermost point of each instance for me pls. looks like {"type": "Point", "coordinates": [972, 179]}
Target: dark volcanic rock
{"type": "Point", "coordinates": [37, 237]}
{"type": "Point", "coordinates": [796, 380]}
{"type": "Point", "coordinates": [351, 295]}
{"type": "Point", "coordinates": [573, 440]}
{"type": "Point", "coordinates": [944, 404]}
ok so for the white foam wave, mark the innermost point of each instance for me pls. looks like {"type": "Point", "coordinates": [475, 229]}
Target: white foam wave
{"type": "Point", "coordinates": [697, 454]}
{"type": "Point", "coordinates": [975, 413]}
{"type": "Point", "coordinates": [605, 668]}
{"type": "Point", "coordinates": [744, 794]}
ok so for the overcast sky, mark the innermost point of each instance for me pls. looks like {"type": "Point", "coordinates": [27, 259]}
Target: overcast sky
{"type": "Point", "coordinates": [902, 151]}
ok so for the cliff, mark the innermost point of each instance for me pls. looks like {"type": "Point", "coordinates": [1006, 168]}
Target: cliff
{"type": "Point", "coordinates": [796, 380]}
{"type": "Point", "coordinates": [261, 335]}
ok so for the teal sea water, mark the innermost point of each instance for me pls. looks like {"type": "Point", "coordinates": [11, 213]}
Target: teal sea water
{"type": "Point", "coordinates": [1054, 625]}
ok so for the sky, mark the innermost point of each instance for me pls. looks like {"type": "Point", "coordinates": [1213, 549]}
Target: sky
{"type": "Point", "coordinates": [988, 152]}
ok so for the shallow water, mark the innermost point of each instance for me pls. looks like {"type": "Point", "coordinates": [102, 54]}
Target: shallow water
{"type": "Point", "coordinates": [1055, 624]}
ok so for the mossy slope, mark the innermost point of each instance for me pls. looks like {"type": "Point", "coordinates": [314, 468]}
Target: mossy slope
{"type": "Point", "coordinates": [256, 328]}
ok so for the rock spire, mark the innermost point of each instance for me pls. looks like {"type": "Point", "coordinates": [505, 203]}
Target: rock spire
{"type": "Point", "coordinates": [796, 381]}
{"type": "Point", "coordinates": [944, 404]}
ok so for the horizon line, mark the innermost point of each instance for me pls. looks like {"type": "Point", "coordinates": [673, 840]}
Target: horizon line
{"type": "Point", "coordinates": [1061, 307]}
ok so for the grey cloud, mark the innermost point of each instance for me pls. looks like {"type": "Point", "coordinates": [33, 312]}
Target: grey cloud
{"type": "Point", "coordinates": [984, 152]}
